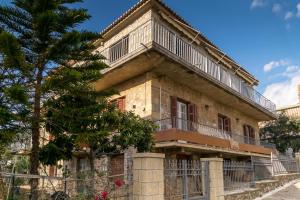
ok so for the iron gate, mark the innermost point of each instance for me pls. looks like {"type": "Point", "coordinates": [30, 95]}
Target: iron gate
{"type": "Point", "coordinates": [186, 180]}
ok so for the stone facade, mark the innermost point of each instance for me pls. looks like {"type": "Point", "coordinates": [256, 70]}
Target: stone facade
{"type": "Point", "coordinates": [142, 96]}
{"type": "Point", "coordinates": [137, 93]}
{"type": "Point", "coordinates": [208, 108]}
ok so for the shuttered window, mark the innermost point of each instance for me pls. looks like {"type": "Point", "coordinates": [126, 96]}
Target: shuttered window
{"type": "Point", "coordinates": [249, 134]}
{"type": "Point", "coordinates": [181, 120]}
{"type": "Point", "coordinates": [120, 103]}
{"type": "Point", "coordinates": [117, 166]}
{"type": "Point", "coordinates": [224, 123]}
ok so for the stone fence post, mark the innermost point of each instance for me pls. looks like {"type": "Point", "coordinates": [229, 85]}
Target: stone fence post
{"type": "Point", "coordinates": [148, 176]}
{"type": "Point", "coordinates": [215, 178]}
{"type": "Point", "coordinates": [297, 157]}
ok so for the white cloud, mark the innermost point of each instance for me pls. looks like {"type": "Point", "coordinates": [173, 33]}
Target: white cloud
{"type": "Point", "coordinates": [276, 8]}
{"type": "Point", "coordinates": [257, 3]}
{"type": "Point", "coordinates": [274, 64]}
{"type": "Point", "coordinates": [288, 15]}
{"type": "Point", "coordinates": [298, 10]}
{"type": "Point", "coordinates": [292, 68]}
{"type": "Point", "coordinates": [283, 93]}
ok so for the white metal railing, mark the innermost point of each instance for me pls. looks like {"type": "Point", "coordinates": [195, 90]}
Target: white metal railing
{"type": "Point", "coordinates": [186, 125]}
{"type": "Point", "coordinates": [133, 41]}
{"type": "Point", "coordinates": [191, 54]}
{"type": "Point", "coordinates": [154, 31]}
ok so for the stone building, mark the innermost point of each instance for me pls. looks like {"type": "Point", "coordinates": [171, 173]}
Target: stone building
{"type": "Point", "coordinates": [202, 101]}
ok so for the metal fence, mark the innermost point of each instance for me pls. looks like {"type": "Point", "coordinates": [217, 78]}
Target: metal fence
{"type": "Point", "coordinates": [186, 179]}
{"type": "Point", "coordinates": [283, 164]}
{"type": "Point", "coordinates": [81, 185]}
{"type": "Point", "coordinates": [237, 175]}
{"type": "Point", "coordinates": [262, 168]}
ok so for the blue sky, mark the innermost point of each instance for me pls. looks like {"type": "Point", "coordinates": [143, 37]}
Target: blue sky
{"type": "Point", "coordinates": [261, 35]}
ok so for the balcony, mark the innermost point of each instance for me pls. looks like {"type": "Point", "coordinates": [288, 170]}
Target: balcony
{"type": "Point", "coordinates": [155, 33]}
{"type": "Point", "coordinates": [176, 129]}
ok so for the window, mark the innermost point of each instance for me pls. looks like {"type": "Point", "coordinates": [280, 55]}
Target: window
{"type": "Point", "coordinates": [183, 114]}
{"type": "Point", "coordinates": [224, 123]}
{"type": "Point", "coordinates": [119, 49]}
{"type": "Point", "coordinates": [84, 164]}
{"type": "Point", "coordinates": [120, 103]}
{"type": "Point", "coordinates": [117, 166]}
{"type": "Point", "coordinates": [249, 134]}
{"type": "Point", "coordinates": [52, 171]}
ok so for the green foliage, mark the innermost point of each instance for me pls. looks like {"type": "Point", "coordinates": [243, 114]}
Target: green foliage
{"type": "Point", "coordinates": [283, 132]}
{"type": "Point", "coordinates": [87, 119]}
{"type": "Point", "coordinates": [42, 84]}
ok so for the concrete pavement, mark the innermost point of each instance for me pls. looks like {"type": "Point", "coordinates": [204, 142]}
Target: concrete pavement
{"type": "Point", "coordinates": [290, 192]}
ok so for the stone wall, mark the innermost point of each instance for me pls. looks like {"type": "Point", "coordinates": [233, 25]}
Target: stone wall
{"type": "Point", "coordinates": [208, 108]}
{"type": "Point", "coordinates": [142, 96]}
{"type": "Point", "coordinates": [262, 187]}
{"type": "Point", "coordinates": [137, 93]}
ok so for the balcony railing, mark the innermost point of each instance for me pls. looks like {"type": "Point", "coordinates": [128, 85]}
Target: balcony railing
{"type": "Point", "coordinates": [187, 125]}
{"type": "Point", "coordinates": [155, 31]}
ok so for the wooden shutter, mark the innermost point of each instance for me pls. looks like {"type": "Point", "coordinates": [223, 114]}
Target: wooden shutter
{"type": "Point", "coordinates": [246, 134]}
{"type": "Point", "coordinates": [121, 104]}
{"type": "Point", "coordinates": [117, 166]}
{"type": "Point", "coordinates": [192, 116]}
{"type": "Point", "coordinates": [51, 170]}
{"type": "Point", "coordinates": [227, 124]}
{"type": "Point", "coordinates": [252, 132]}
{"type": "Point", "coordinates": [220, 122]}
{"type": "Point", "coordinates": [174, 111]}
{"type": "Point", "coordinates": [245, 130]}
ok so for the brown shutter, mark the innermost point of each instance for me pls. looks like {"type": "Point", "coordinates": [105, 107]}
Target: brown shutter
{"type": "Point", "coordinates": [117, 166]}
{"type": "Point", "coordinates": [252, 132]}
{"type": "Point", "coordinates": [173, 111]}
{"type": "Point", "coordinates": [51, 170]}
{"type": "Point", "coordinates": [245, 131]}
{"type": "Point", "coordinates": [227, 124]}
{"type": "Point", "coordinates": [220, 122]}
{"type": "Point", "coordinates": [121, 104]}
{"type": "Point", "coordinates": [192, 116]}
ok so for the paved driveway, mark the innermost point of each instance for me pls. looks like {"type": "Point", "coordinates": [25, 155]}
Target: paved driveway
{"type": "Point", "coordinates": [291, 192]}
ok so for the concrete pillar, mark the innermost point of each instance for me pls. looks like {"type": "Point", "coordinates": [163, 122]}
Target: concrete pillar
{"type": "Point", "coordinates": [297, 157]}
{"type": "Point", "coordinates": [148, 176]}
{"type": "Point", "coordinates": [215, 180]}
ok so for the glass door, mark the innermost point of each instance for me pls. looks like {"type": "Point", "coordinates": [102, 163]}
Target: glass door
{"type": "Point", "coordinates": [181, 115]}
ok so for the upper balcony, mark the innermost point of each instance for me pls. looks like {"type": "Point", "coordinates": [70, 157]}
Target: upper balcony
{"type": "Point", "coordinates": [154, 34]}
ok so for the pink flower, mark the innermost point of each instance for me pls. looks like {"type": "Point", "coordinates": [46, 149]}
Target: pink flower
{"type": "Point", "coordinates": [104, 195]}
{"type": "Point", "coordinates": [119, 182]}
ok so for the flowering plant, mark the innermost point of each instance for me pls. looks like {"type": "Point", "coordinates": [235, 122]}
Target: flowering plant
{"type": "Point", "coordinates": [104, 195]}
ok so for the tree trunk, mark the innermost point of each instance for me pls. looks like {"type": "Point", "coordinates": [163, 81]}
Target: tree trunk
{"type": "Point", "coordinates": [34, 155]}
{"type": "Point", "coordinates": [92, 175]}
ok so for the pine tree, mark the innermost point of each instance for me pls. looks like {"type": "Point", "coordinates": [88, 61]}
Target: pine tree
{"type": "Point", "coordinates": [42, 84]}
{"type": "Point", "coordinates": [38, 37]}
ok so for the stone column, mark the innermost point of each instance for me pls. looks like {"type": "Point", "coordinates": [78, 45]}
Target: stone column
{"type": "Point", "coordinates": [148, 176]}
{"type": "Point", "coordinates": [215, 178]}
{"type": "Point", "coordinates": [297, 157]}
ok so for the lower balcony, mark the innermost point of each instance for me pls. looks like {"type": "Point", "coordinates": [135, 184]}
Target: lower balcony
{"type": "Point", "coordinates": [184, 133]}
